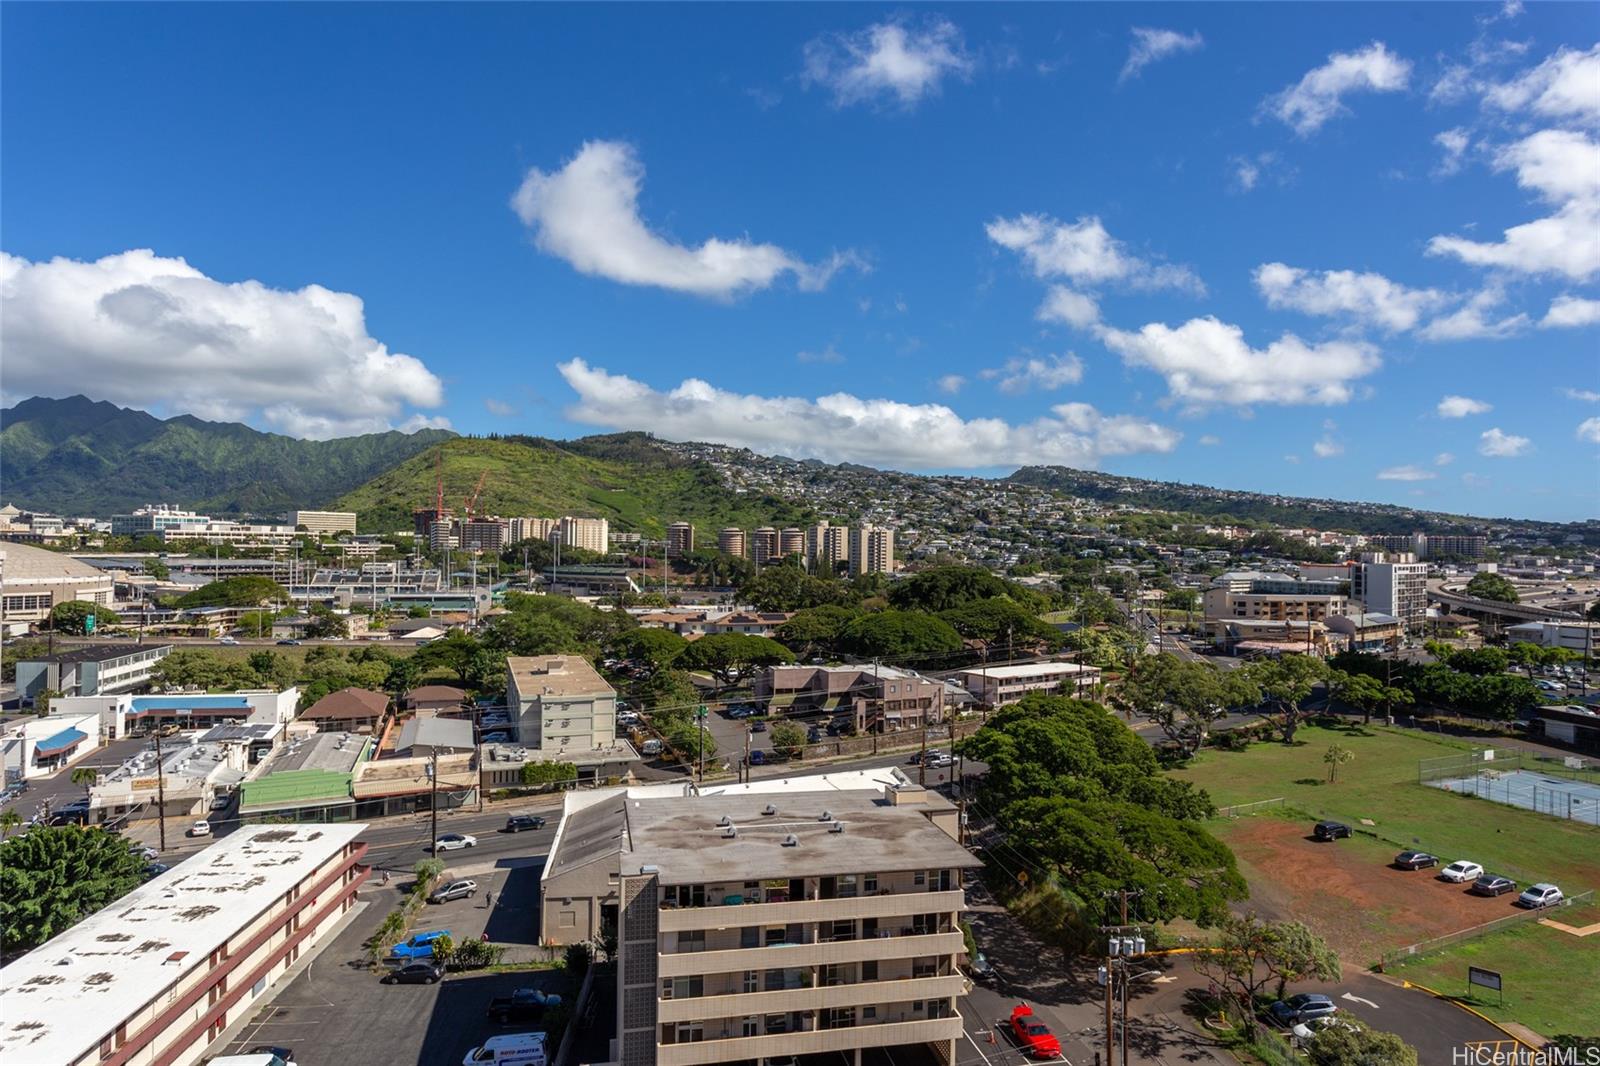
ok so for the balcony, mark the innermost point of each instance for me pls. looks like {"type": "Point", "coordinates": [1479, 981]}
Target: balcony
{"type": "Point", "coordinates": [731, 916]}
{"type": "Point", "coordinates": [783, 956]}
{"type": "Point", "coordinates": [861, 993]}
{"type": "Point", "coordinates": [869, 1034]}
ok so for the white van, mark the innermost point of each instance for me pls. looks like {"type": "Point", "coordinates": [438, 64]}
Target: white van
{"type": "Point", "coordinates": [512, 1049]}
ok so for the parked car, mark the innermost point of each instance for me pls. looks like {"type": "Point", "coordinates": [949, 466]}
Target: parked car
{"type": "Point", "coordinates": [1330, 830]}
{"type": "Point", "coordinates": [837, 727]}
{"type": "Point", "coordinates": [499, 736]}
{"type": "Point", "coordinates": [1034, 1037]}
{"type": "Point", "coordinates": [1543, 894]}
{"type": "Point", "coordinates": [419, 946]}
{"type": "Point", "coordinates": [1461, 871]}
{"type": "Point", "coordinates": [199, 829]}
{"type": "Point", "coordinates": [288, 643]}
{"type": "Point", "coordinates": [463, 889]}
{"type": "Point", "coordinates": [758, 726]}
{"type": "Point", "coordinates": [286, 1054]}
{"type": "Point", "coordinates": [518, 822]}
{"type": "Point", "coordinates": [1302, 1008]}
{"type": "Point", "coordinates": [220, 803]}
{"type": "Point", "coordinates": [415, 973]}
{"type": "Point", "coordinates": [512, 1049]}
{"type": "Point", "coordinates": [743, 711]}
{"type": "Point", "coordinates": [1492, 885]}
{"type": "Point", "coordinates": [758, 758]}
{"type": "Point", "coordinates": [229, 641]}
{"type": "Point", "coordinates": [980, 968]}
{"type": "Point", "coordinates": [940, 761]}
{"type": "Point", "coordinates": [929, 755]}
{"type": "Point", "coordinates": [253, 1058]}
{"type": "Point", "coordinates": [454, 842]}
{"type": "Point", "coordinates": [522, 1005]}
{"type": "Point", "coordinates": [148, 854]}
{"type": "Point", "coordinates": [650, 747]}
{"type": "Point", "coordinates": [156, 869]}
{"type": "Point", "coordinates": [1415, 860]}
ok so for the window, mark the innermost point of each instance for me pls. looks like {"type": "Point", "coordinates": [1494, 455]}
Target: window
{"type": "Point", "coordinates": [750, 936]}
{"type": "Point", "coordinates": [750, 1026]}
{"type": "Point", "coordinates": [692, 940]}
{"type": "Point", "coordinates": [683, 987]}
{"type": "Point", "coordinates": [869, 883]}
{"type": "Point", "coordinates": [750, 984]}
{"type": "Point", "coordinates": [869, 970]}
{"type": "Point", "coordinates": [868, 1012]}
{"type": "Point", "coordinates": [919, 878]}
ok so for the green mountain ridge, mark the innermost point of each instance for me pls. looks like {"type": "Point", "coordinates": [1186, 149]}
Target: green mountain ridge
{"type": "Point", "coordinates": [626, 478]}
{"type": "Point", "coordinates": [80, 456]}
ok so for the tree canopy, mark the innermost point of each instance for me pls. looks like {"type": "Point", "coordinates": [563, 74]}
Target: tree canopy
{"type": "Point", "coordinates": [946, 587]}
{"type": "Point", "coordinates": [899, 635]}
{"type": "Point", "coordinates": [732, 657]}
{"type": "Point", "coordinates": [246, 590]}
{"type": "Point", "coordinates": [1185, 697]}
{"type": "Point", "coordinates": [1487, 586]}
{"type": "Point", "coordinates": [52, 878]}
{"type": "Point", "coordinates": [72, 616]}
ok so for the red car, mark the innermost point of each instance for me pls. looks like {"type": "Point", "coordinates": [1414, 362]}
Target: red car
{"type": "Point", "coordinates": [1033, 1035]}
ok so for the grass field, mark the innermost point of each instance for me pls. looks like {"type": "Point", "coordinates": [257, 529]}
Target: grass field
{"type": "Point", "coordinates": [1380, 785]}
{"type": "Point", "coordinates": [1549, 975]}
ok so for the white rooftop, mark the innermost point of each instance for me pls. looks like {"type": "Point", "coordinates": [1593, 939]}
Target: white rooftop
{"type": "Point", "coordinates": [63, 997]}
{"type": "Point", "coordinates": [1029, 670]}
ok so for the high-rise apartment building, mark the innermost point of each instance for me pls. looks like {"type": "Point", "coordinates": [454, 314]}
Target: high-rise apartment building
{"type": "Point", "coordinates": [532, 529]}
{"type": "Point", "coordinates": [1395, 584]}
{"type": "Point", "coordinates": [680, 540]}
{"type": "Point", "coordinates": [590, 534]}
{"type": "Point", "coordinates": [731, 541]}
{"type": "Point", "coordinates": [323, 523]}
{"type": "Point", "coordinates": [1434, 545]}
{"type": "Point", "coordinates": [826, 546]}
{"type": "Point", "coordinates": [791, 541]}
{"type": "Point", "coordinates": [769, 925]}
{"type": "Point", "coordinates": [484, 534]}
{"type": "Point", "coordinates": [871, 550]}
{"type": "Point", "coordinates": [764, 545]}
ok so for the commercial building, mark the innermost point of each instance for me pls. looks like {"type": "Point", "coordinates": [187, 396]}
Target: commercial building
{"type": "Point", "coordinates": [158, 519]}
{"type": "Point", "coordinates": [32, 748]}
{"type": "Point", "coordinates": [323, 523]}
{"type": "Point", "coordinates": [349, 710]}
{"type": "Point", "coordinates": [871, 550]}
{"type": "Point", "coordinates": [731, 541]}
{"type": "Point", "coordinates": [1393, 584]}
{"type": "Point", "coordinates": [680, 540]}
{"type": "Point", "coordinates": [590, 534]}
{"type": "Point", "coordinates": [772, 925]}
{"type": "Point", "coordinates": [997, 686]}
{"type": "Point", "coordinates": [33, 580]}
{"type": "Point", "coordinates": [1580, 637]}
{"type": "Point", "coordinates": [156, 978]}
{"type": "Point", "coordinates": [92, 670]}
{"type": "Point", "coordinates": [191, 771]}
{"type": "Point", "coordinates": [126, 716]}
{"type": "Point", "coordinates": [430, 735]}
{"type": "Point", "coordinates": [309, 778]}
{"type": "Point", "coordinates": [1367, 631]}
{"type": "Point", "coordinates": [764, 545]}
{"type": "Point", "coordinates": [875, 700]}
{"type": "Point", "coordinates": [590, 579]}
{"type": "Point", "coordinates": [1249, 595]}
{"type": "Point", "coordinates": [560, 704]}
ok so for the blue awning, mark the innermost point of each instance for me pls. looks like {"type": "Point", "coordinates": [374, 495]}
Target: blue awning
{"type": "Point", "coordinates": [60, 742]}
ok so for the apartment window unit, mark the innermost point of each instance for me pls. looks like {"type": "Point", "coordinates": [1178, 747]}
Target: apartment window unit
{"type": "Point", "coordinates": [683, 987]}
{"type": "Point", "coordinates": [869, 970]}
{"type": "Point", "coordinates": [869, 1013]}
{"type": "Point", "coordinates": [751, 981]}
{"type": "Point", "coordinates": [750, 1026]}
{"type": "Point", "coordinates": [869, 883]}
{"type": "Point", "coordinates": [692, 940]}
{"type": "Point", "coordinates": [919, 878]}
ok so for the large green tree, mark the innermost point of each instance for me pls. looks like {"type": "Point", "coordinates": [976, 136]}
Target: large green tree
{"type": "Point", "coordinates": [1286, 683]}
{"type": "Point", "coordinates": [1341, 1045]}
{"type": "Point", "coordinates": [73, 617]}
{"type": "Point", "coordinates": [247, 590]}
{"type": "Point", "coordinates": [653, 648]}
{"type": "Point", "coordinates": [1487, 586]}
{"type": "Point", "coordinates": [1184, 697]}
{"type": "Point", "coordinates": [946, 587]}
{"type": "Point", "coordinates": [900, 636]}
{"type": "Point", "coordinates": [52, 878]}
{"type": "Point", "coordinates": [816, 629]}
{"type": "Point", "coordinates": [733, 657]}
{"type": "Point", "coordinates": [1249, 954]}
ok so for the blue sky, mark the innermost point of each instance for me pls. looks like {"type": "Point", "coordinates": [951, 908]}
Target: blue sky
{"type": "Point", "coordinates": [1257, 246]}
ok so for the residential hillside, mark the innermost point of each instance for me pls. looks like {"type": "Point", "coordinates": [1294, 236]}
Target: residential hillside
{"type": "Point", "coordinates": [77, 456]}
{"type": "Point", "coordinates": [626, 477]}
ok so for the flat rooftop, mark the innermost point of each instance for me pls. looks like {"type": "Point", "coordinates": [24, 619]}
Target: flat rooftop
{"type": "Point", "coordinates": [683, 840]}
{"type": "Point", "coordinates": [62, 998]}
{"type": "Point", "coordinates": [336, 753]}
{"type": "Point", "coordinates": [1030, 670]}
{"type": "Point", "coordinates": [562, 676]}
{"type": "Point", "coordinates": [101, 653]}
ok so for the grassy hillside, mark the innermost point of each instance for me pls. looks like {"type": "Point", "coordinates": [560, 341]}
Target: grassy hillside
{"type": "Point", "coordinates": [623, 477]}
{"type": "Point", "coordinates": [78, 456]}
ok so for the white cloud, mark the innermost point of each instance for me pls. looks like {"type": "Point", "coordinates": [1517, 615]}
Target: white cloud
{"type": "Point", "coordinates": [1569, 312]}
{"type": "Point", "coordinates": [1406, 473]}
{"type": "Point", "coordinates": [1293, 459]}
{"type": "Point", "coordinates": [1589, 430]}
{"type": "Point", "coordinates": [1250, 171]}
{"type": "Point", "coordinates": [1210, 441]}
{"type": "Point", "coordinates": [498, 408]}
{"type": "Point", "coordinates": [845, 428]}
{"type": "Point", "coordinates": [1152, 45]}
{"type": "Point", "coordinates": [1473, 321]}
{"type": "Point", "coordinates": [1563, 167]}
{"type": "Point", "coordinates": [1493, 442]}
{"type": "Point", "coordinates": [1585, 395]}
{"type": "Point", "coordinates": [153, 332]}
{"type": "Point", "coordinates": [830, 354]}
{"type": "Point", "coordinates": [1246, 172]}
{"type": "Point", "coordinates": [1084, 252]}
{"type": "Point", "coordinates": [1020, 376]}
{"type": "Point", "coordinates": [950, 384]}
{"type": "Point", "coordinates": [1206, 361]}
{"type": "Point", "coordinates": [1462, 406]}
{"type": "Point", "coordinates": [587, 213]}
{"type": "Point", "coordinates": [1476, 481]}
{"type": "Point", "coordinates": [1328, 447]}
{"type": "Point", "coordinates": [1455, 144]}
{"type": "Point", "coordinates": [1443, 459]}
{"type": "Point", "coordinates": [1370, 299]}
{"type": "Point", "coordinates": [1564, 86]}
{"type": "Point", "coordinates": [1074, 308]}
{"type": "Point", "coordinates": [1318, 96]}
{"type": "Point", "coordinates": [900, 58]}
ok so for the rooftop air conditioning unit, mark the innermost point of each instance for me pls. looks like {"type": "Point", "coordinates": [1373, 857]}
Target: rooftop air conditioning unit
{"type": "Point", "coordinates": [836, 827]}
{"type": "Point", "coordinates": [724, 820]}
{"type": "Point", "coordinates": [770, 809]}
{"type": "Point", "coordinates": [729, 832]}
{"type": "Point", "coordinates": [827, 816]}
{"type": "Point", "coordinates": [791, 841]}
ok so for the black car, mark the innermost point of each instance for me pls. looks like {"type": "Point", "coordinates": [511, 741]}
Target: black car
{"type": "Point", "coordinates": [414, 973]}
{"type": "Point", "coordinates": [1415, 860]}
{"type": "Point", "coordinates": [518, 822]}
{"type": "Point", "coordinates": [1330, 830]}
{"type": "Point", "coordinates": [758, 726]}
{"type": "Point", "coordinates": [288, 643]}
{"type": "Point", "coordinates": [1492, 885]}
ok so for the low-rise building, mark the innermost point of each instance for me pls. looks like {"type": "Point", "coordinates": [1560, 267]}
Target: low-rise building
{"type": "Point", "coordinates": [91, 670]}
{"type": "Point", "coordinates": [126, 715]}
{"type": "Point", "coordinates": [33, 581]}
{"type": "Point", "coordinates": [349, 710]}
{"type": "Point", "coordinates": [1367, 631]}
{"type": "Point", "coordinates": [307, 778]}
{"type": "Point", "coordinates": [159, 976]}
{"type": "Point", "coordinates": [426, 736]}
{"type": "Point", "coordinates": [33, 748]}
{"type": "Point", "coordinates": [875, 699]}
{"type": "Point", "coordinates": [996, 686]}
{"type": "Point", "coordinates": [1580, 637]}
{"type": "Point", "coordinates": [428, 700]}
{"type": "Point", "coordinates": [180, 782]}
{"type": "Point", "coordinates": [560, 704]}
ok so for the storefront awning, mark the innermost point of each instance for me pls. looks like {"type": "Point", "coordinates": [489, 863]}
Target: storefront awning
{"type": "Point", "coordinates": [67, 738]}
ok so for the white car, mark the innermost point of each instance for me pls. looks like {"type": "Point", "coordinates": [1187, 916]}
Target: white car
{"type": "Point", "coordinates": [1461, 871]}
{"type": "Point", "coordinates": [200, 829]}
{"type": "Point", "coordinates": [455, 842]}
{"type": "Point", "coordinates": [1304, 1031]}
{"type": "Point", "coordinates": [1540, 895]}
{"type": "Point", "coordinates": [228, 641]}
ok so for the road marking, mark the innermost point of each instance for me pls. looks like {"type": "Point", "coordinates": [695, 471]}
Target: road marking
{"type": "Point", "coordinates": [1164, 980]}
{"type": "Point", "coordinates": [1357, 999]}
{"type": "Point", "coordinates": [977, 1048]}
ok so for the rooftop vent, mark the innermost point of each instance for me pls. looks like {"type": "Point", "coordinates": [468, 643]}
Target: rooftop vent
{"type": "Point", "coordinates": [836, 827]}
{"type": "Point", "coordinates": [770, 809]}
{"type": "Point", "coordinates": [827, 816]}
{"type": "Point", "coordinates": [724, 820]}
{"type": "Point", "coordinates": [791, 841]}
{"type": "Point", "coordinates": [729, 832]}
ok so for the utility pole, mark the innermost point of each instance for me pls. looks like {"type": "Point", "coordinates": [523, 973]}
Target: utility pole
{"type": "Point", "coordinates": [161, 795]}
{"type": "Point", "coordinates": [747, 755]}
{"type": "Point", "coordinates": [433, 801]}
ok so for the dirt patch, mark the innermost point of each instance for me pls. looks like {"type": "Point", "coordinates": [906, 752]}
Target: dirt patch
{"type": "Point", "coordinates": [1347, 892]}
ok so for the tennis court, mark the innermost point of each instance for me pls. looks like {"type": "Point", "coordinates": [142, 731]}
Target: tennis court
{"type": "Point", "coordinates": [1531, 790]}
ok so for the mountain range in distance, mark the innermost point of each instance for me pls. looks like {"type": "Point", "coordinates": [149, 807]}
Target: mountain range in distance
{"type": "Point", "coordinates": [77, 456]}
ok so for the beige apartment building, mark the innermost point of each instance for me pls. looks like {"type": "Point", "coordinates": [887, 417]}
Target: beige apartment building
{"type": "Point", "coordinates": [827, 545]}
{"type": "Point", "coordinates": [731, 541]}
{"type": "Point", "coordinates": [324, 523]}
{"type": "Point", "coordinates": [561, 704]}
{"type": "Point", "coordinates": [680, 540]}
{"type": "Point", "coordinates": [871, 550]}
{"type": "Point", "coordinates": [764, 545]}
{"type": "Point", "coordinates": [791, 541]}
{"type": "Point", "coordinates": [590, 534]}
{"type": "Point", "coordinates": [766, 925]}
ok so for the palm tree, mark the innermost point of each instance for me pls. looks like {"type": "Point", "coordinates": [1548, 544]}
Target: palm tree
{"type": "Point", "coordinates": [9, 820]}
{"type": "Point", "coordinates": [87, 776]}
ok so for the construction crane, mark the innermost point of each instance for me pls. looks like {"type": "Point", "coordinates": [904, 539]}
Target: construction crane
{"type": "Point", "coordinates": [472, 501]}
